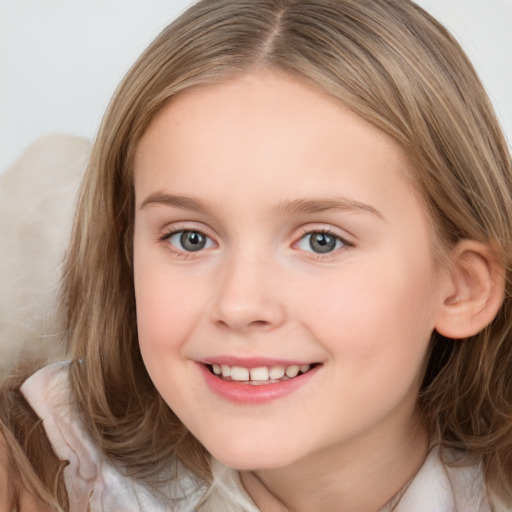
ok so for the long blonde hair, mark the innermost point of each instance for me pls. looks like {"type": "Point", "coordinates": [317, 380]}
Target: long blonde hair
{"type": "Point", "coordinates": [398, 68]}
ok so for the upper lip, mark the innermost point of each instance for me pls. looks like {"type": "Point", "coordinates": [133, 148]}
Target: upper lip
{"type": "Point", "coordinates": [252, 362]}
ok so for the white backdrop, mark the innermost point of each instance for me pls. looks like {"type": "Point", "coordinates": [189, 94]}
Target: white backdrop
{"type": "Point", "coordinates": [60, 60]}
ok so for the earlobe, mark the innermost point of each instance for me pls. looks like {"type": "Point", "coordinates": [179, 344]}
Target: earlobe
{"type": "Point", "coordinates": [474, 292]}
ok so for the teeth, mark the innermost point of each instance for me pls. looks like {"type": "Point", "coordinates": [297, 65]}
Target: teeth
{"type": "Point", "coordinates": [260, 374]}
{"type": "Point", "coordinates": [277, 372]}
{"type": "Point", "coordinates": [238, 373]}
{"type": "Point", "coordinates": [292, 371]}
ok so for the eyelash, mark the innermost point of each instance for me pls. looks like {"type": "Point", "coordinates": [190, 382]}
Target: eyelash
{"type": "Point", "coordinates": [184, 254]}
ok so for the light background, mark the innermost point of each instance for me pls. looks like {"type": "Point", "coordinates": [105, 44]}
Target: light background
{"type": "Point", "coordinates": [60, 60]}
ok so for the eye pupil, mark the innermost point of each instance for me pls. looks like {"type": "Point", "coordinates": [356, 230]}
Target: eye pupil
{"type": "Point", "coordinates": [322, 242]}
{"type": "Point", "coordinates": [192, 240]}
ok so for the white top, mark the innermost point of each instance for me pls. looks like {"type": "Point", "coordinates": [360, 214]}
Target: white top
{"type": "Point", "coordinates": [92, 481]}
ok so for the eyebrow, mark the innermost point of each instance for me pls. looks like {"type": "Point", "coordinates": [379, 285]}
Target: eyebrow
{"type": "Point", "coordinates": [295, 206]}
{"type": "Point", "coordinates": [305, 206]}
{"type": "Point", "coordinates": [182, 202]}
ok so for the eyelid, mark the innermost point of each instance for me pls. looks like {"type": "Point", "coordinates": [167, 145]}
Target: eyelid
{"type": "Point", "coordinates": [320, 227]}
{"type": "Point", "coordinates": [174, 227]}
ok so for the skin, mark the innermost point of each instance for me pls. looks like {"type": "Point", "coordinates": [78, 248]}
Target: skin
{"type": "Point", "coordinates": [351, 437]}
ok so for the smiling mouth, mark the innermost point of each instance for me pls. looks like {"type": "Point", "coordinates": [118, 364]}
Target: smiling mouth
{"type": "Point", "coordinates": [261, 375]}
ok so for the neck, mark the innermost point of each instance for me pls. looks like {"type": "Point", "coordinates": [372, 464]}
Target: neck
{"type": "Point", "coordinates": [359, 475]}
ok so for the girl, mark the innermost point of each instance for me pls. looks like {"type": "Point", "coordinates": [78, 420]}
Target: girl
{"type": "Point", "coordinates": [288, 283]}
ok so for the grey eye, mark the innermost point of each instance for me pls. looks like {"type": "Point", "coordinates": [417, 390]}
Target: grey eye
{"type": "Point", "coordinates": [320, 242]}
{"type": "Point", "coordinates": [190, 241]}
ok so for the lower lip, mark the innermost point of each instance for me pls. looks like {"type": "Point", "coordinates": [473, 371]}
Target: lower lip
{"type": "Point", "coordinates": [241, 393]}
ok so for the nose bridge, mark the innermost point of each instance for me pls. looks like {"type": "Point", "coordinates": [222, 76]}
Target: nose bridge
{"type": "Point", "coordinates": [247, 294]}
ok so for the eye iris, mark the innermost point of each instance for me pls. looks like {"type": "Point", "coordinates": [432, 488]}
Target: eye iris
{"type": "Point", "coordinates": [322, 242]}
{"type": "Point", "coordinates": [192, 240]}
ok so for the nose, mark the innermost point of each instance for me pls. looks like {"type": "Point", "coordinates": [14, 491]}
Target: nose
{"type": "Point", "coordinates": [249, 296]}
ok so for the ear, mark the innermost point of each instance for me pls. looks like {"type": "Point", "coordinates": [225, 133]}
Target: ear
{"type": "Point", "coordinates": [474, 291]}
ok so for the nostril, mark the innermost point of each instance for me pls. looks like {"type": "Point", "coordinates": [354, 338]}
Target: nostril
{"type": "Point", "coordinates": [255, 324]}
{"type": "Point", "coordinates": [259, 323]}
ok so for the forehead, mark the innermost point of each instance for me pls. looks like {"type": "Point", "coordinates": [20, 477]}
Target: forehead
{"type": "Point", "coordinates": [266, 136]}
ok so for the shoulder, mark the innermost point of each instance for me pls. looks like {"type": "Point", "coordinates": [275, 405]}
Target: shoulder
{"type": "Point", "coordinates": [48, 392]}
{"type": "Point", "coordinates": [92, 481]}
{"type": "Point", "coordinates": [444, 484]}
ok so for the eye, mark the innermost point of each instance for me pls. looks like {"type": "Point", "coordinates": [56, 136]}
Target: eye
{"type": "Point", "coordinates": [190, 241]}
{"type": "Point", "coordinates": [320, 242]}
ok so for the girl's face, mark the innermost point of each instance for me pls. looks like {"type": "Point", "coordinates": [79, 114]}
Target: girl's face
{"type": "Point", "coordinates": [276, 232]}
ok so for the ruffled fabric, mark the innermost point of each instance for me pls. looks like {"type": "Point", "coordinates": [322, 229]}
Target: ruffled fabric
{"type": "Point", "coordinates": [94, 485]}
{"type": "Point", "coordinates": [440, 488]}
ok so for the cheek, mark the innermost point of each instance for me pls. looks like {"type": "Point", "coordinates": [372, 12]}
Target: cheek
{"type": "Point", "coordinates": [376, 318]}
{"type": "Point", "coordinates": [166, 316]}
{"type": "Point", "coordinates": [166, 306]}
